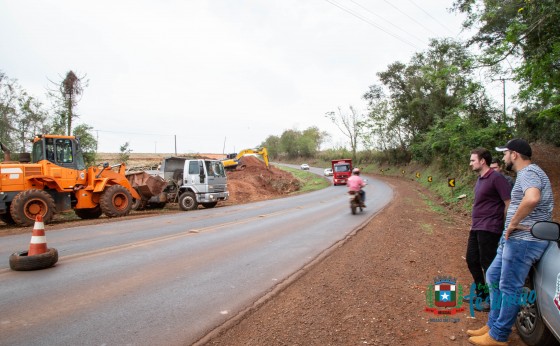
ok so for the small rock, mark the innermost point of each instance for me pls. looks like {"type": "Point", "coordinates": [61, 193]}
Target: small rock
{"type": "Point", "coordinates": [452, 338]}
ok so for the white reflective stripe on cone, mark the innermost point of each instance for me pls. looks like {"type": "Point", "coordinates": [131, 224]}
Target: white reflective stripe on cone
{"type": "Point", "coordinates": [39, 225]}
{"type": "Point", "coordinates": [38, 240]}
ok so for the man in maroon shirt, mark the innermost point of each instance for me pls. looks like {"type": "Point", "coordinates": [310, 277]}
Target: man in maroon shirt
{"type": "Point", "coordinates": [491, 199]}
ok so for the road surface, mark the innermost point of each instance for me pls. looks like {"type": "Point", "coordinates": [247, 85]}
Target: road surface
{"type": "Point", "coordinates": [169, 279]}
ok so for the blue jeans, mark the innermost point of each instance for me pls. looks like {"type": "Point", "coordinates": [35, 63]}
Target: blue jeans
{"type": "Point", "coordinates": [505, 278]}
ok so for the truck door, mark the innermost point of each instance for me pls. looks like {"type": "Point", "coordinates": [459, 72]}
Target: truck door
{"type": "Point", "coordinates": [197, 177]}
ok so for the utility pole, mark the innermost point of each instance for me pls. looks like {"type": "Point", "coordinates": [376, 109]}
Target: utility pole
{"type": "Point", "coordinates": [503, 80]}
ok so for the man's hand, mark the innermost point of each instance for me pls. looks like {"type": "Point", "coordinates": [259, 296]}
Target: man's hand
{"type": "Point", "coordinates": [513, 227]}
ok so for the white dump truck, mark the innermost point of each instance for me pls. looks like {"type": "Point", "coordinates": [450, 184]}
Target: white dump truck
{"type": "Point", "coordinates": [188, 182]}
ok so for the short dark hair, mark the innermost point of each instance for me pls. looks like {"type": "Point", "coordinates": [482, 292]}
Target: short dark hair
{"type": "Point", "coordinates": [497, 160]}
{"type": "Point", "coordinates": [484, 154]}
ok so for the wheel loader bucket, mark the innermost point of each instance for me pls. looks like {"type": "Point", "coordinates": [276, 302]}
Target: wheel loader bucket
{"type": "Point", "coordinates": [147, 185]}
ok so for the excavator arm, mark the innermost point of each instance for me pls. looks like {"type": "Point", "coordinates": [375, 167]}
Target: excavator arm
{"type": "Point", "coordinates": [233, 163]}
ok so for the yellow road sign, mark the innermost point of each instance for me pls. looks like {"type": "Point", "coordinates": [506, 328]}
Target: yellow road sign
{"type": "Point", "coordinates": [430, 179]}
{"type": "Point", "coordinates": [451, 182]}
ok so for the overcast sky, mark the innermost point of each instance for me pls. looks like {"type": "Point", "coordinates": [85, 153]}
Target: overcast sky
{"type": "Point", "coordinates": [213, 71]}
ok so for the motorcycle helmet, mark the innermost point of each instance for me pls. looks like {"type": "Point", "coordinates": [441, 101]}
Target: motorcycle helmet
{"type": "Point", "coordinates": [356, 171]}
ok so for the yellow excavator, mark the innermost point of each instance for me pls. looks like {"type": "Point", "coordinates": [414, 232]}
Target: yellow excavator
{"type": "Point", "coordinates": [232, 161]}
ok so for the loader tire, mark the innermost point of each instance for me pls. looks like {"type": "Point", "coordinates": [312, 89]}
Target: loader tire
{"type": "Point", "coordinates": [89, 213]}
{"type": "Point", "coordinates": [7, 218]}
{"type": "Point", "coordinates": [28, 204]}
{"type": "Point", "coordinates": [187, 201]}
{"type": "Point", "coordinates": [116, 201]}
{"type": "Point", "coordinates": [19, 261]}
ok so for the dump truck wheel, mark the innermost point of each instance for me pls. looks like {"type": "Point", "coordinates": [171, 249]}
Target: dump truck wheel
{"type": "Point", "coordinates": [28, 204]}
{"type": "Point", "coordinates": [19, 261]}
{"type": "Point", "coordinates": [7, 218]}
{"type": "Point", "coordinates": [187, 201]}
{"type": "Point", "coordinates": [116, 201]}
{"type": "Point", "coordinates": [209, 205]}
{"type": "Point", "coordinates": [138, 204]}
{"type": "Point", "coordinates": [89, 213]}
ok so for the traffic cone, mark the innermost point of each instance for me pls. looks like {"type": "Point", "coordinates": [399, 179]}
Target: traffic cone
{"type": "Point", "coordinates": [38, 244]}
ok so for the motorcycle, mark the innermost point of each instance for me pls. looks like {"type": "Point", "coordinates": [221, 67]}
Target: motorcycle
{"type": "Point", "coordinates": [355, 201]}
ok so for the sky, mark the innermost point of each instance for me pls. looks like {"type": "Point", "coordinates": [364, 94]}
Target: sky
{"type": "Point", "coordinates": [213, 76]}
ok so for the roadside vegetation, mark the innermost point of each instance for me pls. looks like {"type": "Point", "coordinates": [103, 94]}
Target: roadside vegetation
{"type": "Point", "coordinates": [309, 181]}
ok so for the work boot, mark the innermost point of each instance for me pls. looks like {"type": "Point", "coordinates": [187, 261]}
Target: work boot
{"type": "Point", "coordinates": [478, 332]}
{"type": "Point", "coordinates": [486, 340]}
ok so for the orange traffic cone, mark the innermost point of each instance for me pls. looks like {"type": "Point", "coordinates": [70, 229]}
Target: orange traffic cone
{"type": "Point", "coordinates": [38, 243]}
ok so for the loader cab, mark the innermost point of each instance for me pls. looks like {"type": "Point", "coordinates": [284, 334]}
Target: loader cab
{"type": "Point", "coordinates": [63, 151]}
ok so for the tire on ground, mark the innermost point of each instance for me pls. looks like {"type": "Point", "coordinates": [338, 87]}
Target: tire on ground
{"type": "Point", "coordinates": [116, 201]}
{"type": "Point", "coordinates": [209, 205]}
{"type": "Point", "coordinates": [28, 204]}
{"type": "Point", "coordinates": [187, 201]}
{"type": "Point", "coordinates": [7, 218]}
{"type": "Point", "coordinates": [19, 261]}
{"type": "Point", "coordinates": [89, 213]}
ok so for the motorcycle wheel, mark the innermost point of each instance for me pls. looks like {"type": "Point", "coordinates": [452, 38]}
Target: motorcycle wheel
{"type": "Point", "coordinates": [353, 208]}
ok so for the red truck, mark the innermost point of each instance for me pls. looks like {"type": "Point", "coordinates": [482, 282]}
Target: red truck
{"type": "Point", "coordinates": [342, 169]}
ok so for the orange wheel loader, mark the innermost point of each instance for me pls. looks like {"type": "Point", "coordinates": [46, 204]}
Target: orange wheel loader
{"type": "Point", "coordinates": [57, 180]}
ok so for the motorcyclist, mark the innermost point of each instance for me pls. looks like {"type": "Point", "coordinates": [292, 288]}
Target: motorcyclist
{"type": "Point", "coordinates": [355, 183]}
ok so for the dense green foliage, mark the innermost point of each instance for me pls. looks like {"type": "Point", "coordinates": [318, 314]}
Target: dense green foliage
{"type": "Point", "coordinates": [293, 143]}
{"type": "Point", "coordinates": [527, 33]}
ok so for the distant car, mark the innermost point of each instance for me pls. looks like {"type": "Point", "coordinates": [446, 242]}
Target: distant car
{"type": "Point", "coordinates": [538, 321]}
{"type": "Point", "coordinates": [327, 172]}
{"type": "Point", "coordinates": [304, 166]}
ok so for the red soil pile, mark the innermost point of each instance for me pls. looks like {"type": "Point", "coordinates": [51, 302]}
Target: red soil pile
{"type": "Point", "coordinates": [256, 182]}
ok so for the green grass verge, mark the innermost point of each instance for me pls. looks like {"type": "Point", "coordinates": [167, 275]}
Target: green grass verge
{"type": "Point", "coordinates": [309, 181]}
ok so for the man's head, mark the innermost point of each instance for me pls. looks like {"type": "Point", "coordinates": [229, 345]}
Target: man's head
{"type": "Point", "coordinates": [480, 159]}
{"type": "Point", "coordinates": [356, 171]}
{"type": "Point", "coordinates": [496, 164]}
{"type": "Point", "coordinates": [517, 154]}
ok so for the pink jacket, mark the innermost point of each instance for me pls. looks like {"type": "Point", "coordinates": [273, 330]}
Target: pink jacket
{"type": "Point", "coordinates": [355, 183]}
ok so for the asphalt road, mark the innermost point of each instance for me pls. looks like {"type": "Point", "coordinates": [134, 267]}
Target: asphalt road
{"type": "Point", "coordinates": [169, 279]}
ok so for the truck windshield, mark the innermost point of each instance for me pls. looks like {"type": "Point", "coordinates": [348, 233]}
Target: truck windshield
{"type": "Point", "coordinates": [215, 168]}
{"type": "Point", "coordinates": [342, 168]}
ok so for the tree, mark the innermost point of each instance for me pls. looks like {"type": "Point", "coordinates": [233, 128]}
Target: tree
{"type": "Point", "coordinates": [9, 94]}
{"type": "Point", "coordinates": [88, 143]}
{"type": "Point", "coordinates": [528, 33]}
{"type": "Point", "coordinates": [124, 154]}
{"type": "Point", "coordinates": [66, 99]}
{"type": "Point", "coordinates": [272, 145]}
{"type": "Point", "coordinates": [350, 124]}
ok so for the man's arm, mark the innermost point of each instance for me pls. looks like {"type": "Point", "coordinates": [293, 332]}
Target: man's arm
{"type": "Point", "coordinates": [528, 203]}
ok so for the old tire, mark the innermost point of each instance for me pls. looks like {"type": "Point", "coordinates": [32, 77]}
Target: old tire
{"type": "Point", "coordinates": [187, 201]}
{"type": "Point", "coordinates": [28, 204]}
{"type": "Point", "coordinates": [530, 325]}
{"type": "Point", "coordinates": [209, 205]}
{"type": "Point", "coordinates": [7, 218]}
{"type": "Point", "coordinates": [89, 213]}
{"type": "Point", "coordinates": [116, 201]}
{"type": "Point", "coordinates": [19, 261]}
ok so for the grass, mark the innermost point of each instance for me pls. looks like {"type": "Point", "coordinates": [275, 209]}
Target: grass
{"type": "Point", "coordinates": [310, 181]}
